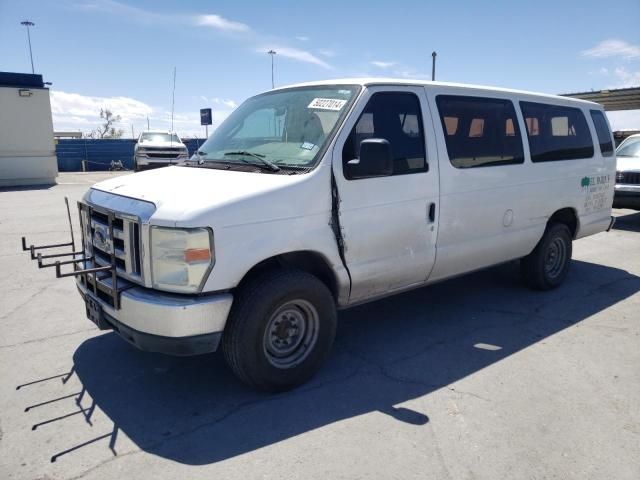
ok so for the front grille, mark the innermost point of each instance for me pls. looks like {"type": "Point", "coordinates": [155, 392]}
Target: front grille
{"type": "Point", "coordinates": [628, 178]}
{"type": "Point", "coordinates": [162, 149]}
{"type": "Point", "coordinates": [124, 243]}
{"type": "Point", "coordinates": [161, 155]}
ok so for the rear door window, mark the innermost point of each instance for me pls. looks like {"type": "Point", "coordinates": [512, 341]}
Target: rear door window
{"type": "Point", "coordinates": [556, 132]}
{"type": "Point", "coordinates": [603, 132]}
{"type": "Point", "coordinates": [480, 132]}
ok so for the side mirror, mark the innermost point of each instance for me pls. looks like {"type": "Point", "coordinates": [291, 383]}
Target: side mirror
{"type": "Point", "coordinates": [375, 160]}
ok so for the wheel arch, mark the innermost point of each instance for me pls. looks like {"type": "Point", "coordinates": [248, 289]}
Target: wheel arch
{"type": "Point", "coordinates": [308, 261]}
{"type": "Point", "coordinates": [569, 217]}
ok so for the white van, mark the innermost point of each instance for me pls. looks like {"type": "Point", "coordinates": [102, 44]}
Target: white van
{"type": "Point", "coordinates": [320, 196]}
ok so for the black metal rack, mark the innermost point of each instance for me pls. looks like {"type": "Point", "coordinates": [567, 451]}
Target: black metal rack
{"type": "Point", "coordinates": [89, 276]}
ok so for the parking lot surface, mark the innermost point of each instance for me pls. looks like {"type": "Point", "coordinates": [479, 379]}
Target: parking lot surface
{"type": "Point", "coordinates": [473, 378]}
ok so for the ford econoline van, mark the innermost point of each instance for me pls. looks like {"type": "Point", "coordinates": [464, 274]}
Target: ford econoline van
{"type": "Point", "coordinates": [316, 197]}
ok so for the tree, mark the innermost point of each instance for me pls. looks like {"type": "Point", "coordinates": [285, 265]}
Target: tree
{"type": "Point", "coordinates": [107, 129]}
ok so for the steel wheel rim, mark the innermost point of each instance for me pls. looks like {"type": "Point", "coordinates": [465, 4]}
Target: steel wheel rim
{"type": "Point", "coordinates": [291, 333]}
{"type": "Point", "coordinates": [555, 257]}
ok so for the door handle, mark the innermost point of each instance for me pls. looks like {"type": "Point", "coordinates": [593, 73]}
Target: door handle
{"type": "Point", "coordinates": [432, 212]}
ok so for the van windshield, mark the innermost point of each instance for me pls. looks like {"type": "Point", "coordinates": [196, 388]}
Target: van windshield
{"type": "Point", "coordinates": [630, 148]}
{"type": "Point", "coordinates": [286, 128]}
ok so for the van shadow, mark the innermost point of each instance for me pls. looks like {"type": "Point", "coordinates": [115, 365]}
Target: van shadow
{"type": "Point", "coordinates": [192, 410]}
{"type": "Point", "coordinates": [629, 222]}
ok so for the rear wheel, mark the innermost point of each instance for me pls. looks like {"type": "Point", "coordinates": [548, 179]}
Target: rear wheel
{"type": "Point", "coordinates": [280, 329]}
{"type": "Point", "coordinates": [547, 266]}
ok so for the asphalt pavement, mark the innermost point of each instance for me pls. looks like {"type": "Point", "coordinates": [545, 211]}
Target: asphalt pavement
{"type": "Point", "coordinates": [473, 378]}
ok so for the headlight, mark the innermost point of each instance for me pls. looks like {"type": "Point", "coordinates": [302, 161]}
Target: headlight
{"type": "Point", "coordinates": [180, 258]}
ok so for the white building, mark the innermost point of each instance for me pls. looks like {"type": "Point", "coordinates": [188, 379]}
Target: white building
{"type": "Point", "coordinates": [27, 149]}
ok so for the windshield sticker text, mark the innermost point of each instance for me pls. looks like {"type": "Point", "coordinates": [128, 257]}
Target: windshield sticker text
{"type": "Point", "coordinates": [335, 104]}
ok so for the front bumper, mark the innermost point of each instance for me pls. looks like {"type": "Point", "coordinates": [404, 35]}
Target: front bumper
{"type": "Point", "coordinates": [627, 196]}
{"type": "Point", "coordinates": [167, 323]}
{"type": "Point", "coordinates": [144, 162]}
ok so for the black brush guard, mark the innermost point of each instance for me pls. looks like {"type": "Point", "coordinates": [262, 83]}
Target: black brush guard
{"type": "Point", "coordinates": [90, 276]}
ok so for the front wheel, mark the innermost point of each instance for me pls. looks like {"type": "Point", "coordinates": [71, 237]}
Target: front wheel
{"type": "Point", "coordinates": [280, 329]}
{"type": "Point", "coordinates": [547, 266]}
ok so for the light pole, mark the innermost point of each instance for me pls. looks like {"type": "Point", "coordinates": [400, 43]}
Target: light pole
{"type": "Point", "coordinates": [433, 65]}
{"type": "Point", "coordinates": [28, 24]}
{"type": "Point", "coordinates": [272, 53]}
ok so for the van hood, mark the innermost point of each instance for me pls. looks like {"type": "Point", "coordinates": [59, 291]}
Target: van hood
{"type": "Point", "coordinates": [625, 164]}
{"type": "Point", "coordinates": [178, 192]}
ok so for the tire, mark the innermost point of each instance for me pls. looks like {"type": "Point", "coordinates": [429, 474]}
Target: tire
{"type": "Point", "coordinates": [547, 266]}
{"type": "Point", "coordinates": [280, 330]}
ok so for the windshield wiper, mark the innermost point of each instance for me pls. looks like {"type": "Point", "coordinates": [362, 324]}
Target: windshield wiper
{"type": "Point", "coordinates": [271, 166]}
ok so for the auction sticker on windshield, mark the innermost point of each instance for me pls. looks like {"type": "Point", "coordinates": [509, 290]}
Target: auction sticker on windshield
{"type": "Point", "coordinates": [327, 104]}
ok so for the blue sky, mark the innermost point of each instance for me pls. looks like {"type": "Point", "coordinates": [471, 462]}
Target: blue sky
{"type": "Point", "coordinates": [121, 54]}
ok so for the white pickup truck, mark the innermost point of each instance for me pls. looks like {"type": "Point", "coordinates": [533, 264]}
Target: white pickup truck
{"type": "Point", "coordinates": [320, 196]}
{"type": "Point", "coordinates": [156, 148]}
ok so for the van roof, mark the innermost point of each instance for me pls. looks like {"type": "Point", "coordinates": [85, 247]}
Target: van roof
{"type": "Point", "coordinates": [370, 81]}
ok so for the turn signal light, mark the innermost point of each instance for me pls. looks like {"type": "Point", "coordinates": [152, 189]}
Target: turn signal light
{"type": "Point", "coordinates": [193, 255]}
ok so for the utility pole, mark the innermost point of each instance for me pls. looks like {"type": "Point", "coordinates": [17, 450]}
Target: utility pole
{"type": "Point", "coordinates": [433, 65]}
{"type": "Point", "coordinates": [173, 97]}
{"type": "Point", "coordinates": [28, 24]}
{"type": "Point", "coordinates": [272, 53]}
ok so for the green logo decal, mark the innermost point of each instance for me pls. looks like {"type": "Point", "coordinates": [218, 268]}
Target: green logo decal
{"type": "Point", "coordinates": [586, 181]}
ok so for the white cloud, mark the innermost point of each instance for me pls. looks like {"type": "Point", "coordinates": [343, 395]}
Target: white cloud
{"type": "Point", "coordinates": [73, 111]}
{"type": "Point", "coordinates": [296, 54]}
{"type": "Point", "coordinates": [227, 102]}
{"type": "Point", "coordinates": [381, 64]}
{"type": "Point", "coordinates": [146, 16]}
{"type": "Point", "coordinates": [624, 119]}
{"type": "Point", "coordinates": [613, 48]}
{"type": "Point", "coordinates": [221, 23]}
{"type": "Point", "coordinates": [412, 74]}
{"type": "Point", "coordinates": [626, 78]}
{"type": "Point", "coordinates": [325, 52]}
{"type": "Point", "coordinates": [76, 106]}
{"type": "Point", "coordinates": [210, 20]}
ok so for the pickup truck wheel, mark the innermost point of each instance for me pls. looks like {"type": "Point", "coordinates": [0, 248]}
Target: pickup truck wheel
{"type": "Point", "coordinates": [546, 267]}
{"type": "Point", "coordinates": [280, 330]}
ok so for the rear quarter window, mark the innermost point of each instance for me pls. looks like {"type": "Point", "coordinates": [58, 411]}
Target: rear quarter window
{"type": "Point", "coordinates": [603, 132]}
{"type": "Point", "coordinates": [556, 132]}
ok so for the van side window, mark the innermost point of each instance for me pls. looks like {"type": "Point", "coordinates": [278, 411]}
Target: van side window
{"type": "Point", "coordinates": [603, 132]}
{"type": "Point", "coordinates": [396, 117]}
{"type": "Point", "coordinates": [556, 132]}
{"type": "Point", "coordinates": [480, 132]}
